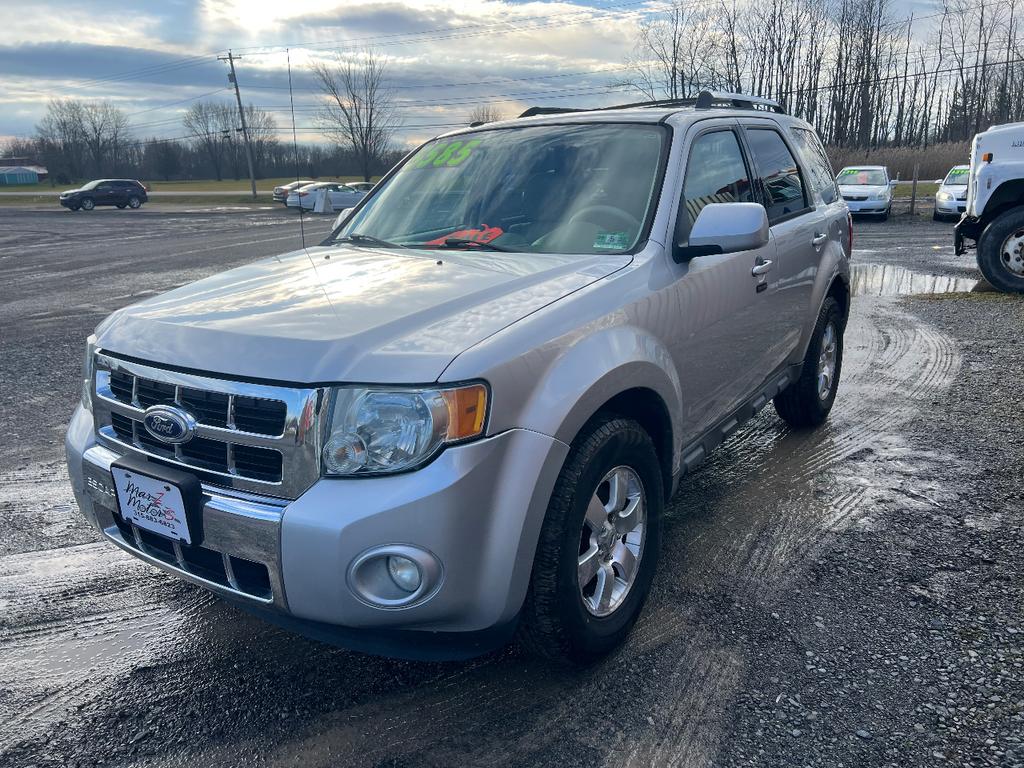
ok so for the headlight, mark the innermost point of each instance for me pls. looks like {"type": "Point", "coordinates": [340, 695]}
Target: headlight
{"type": "Point", "coordinates": [945, 196]}
{"type": "Point", "coordinates": [87, 372]}
{"type": "Point", "coordinates": [883, 195]}
{"type": "Point", "coordinates": [381, 430]}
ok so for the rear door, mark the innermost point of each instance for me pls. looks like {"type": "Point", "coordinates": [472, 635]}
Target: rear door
{"type": "Point", "coordinates": [798, 229]}
{"type": "Point", "coordinates": [718, 342]}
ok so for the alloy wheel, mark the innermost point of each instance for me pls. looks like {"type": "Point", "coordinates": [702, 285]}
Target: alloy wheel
{"type": "Point", "coordinates": [827, 361]}
{"type": "Point", "coordinates": [612, 541]}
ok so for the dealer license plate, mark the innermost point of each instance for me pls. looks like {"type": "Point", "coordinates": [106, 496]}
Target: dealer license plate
{"type": "Point", "coordinates": [152, 504]}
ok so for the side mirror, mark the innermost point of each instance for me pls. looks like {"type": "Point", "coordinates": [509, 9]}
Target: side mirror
{"type": "Point", "coordinates": [343, 217]}
{"type": "Point", "coordinates": [725, 228]}
{"type": "Point", "coordinates": [893, 183]}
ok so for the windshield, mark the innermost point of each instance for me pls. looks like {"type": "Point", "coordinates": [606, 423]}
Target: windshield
{"type": "Point", "coordinates": [862, 177]}
{"type": "Point", "coordinates": [957, 177]}
{"type": "Point", "coordinates": [540, 189]}
{"type": "Point", "coordinates": [90, 185]}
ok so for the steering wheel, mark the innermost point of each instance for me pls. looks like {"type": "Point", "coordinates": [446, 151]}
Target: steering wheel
{"type": "Point", "coordinates": [600, 214]}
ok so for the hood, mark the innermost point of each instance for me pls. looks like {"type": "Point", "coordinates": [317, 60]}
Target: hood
{"type": "Point", "coordinates": [71, 191]}
{"type": "Point", "coordinates": [862, 189]}
{"type": "Point", "coordinates": [346, 313]}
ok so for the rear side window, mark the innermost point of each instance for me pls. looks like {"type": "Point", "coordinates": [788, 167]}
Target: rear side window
{"type": "Point", "coordinates": [822, 179]}
{"type": "Point", "coordinates": [715, 173]}
{"type": "Point", "coordinates": [779, 172]}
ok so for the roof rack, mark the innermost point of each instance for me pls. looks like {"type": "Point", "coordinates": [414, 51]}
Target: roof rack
{"type": "Point", "coordinates": [703, 100]}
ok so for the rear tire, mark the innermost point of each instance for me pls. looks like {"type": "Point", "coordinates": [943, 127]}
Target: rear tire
{"type": "Point", "coordinates": [561, 619]}
{"type": "Point", "coordinates": [806, 402]}
{"type": "Point", "coordinates": [1001, 251]}
{"type": "Point", "coordinates": [88, 204]}
{"type": "Point", "coordinates": [133, 202]}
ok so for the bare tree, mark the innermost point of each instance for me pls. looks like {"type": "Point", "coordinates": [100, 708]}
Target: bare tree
{"type": "Point", "coordinates": [211, 126]}
{"type": "Point", "coordinates": [358, 108]}
{"type": "Point", "coordinates": [485, 113]}
{"type": "Point", "coordinates": [105, 129]}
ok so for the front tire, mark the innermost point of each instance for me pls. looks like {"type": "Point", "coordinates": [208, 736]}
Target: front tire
{"type": "Point", "coordinates": [598, 547]}
{"type": "Point", "coordinates": [87, 204]}
{"type": "Point", "coordinates": [1001, 251]}
{"type": "Point", "coordinates": [807, 401]}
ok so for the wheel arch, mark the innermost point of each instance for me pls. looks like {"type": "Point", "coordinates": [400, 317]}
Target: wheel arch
{"type": "Point", "coordinates": [1008, 195]}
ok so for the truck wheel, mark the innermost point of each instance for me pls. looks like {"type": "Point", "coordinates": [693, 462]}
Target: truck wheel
{"type": "Point", "coordinates": [1001, 251]}
{"type": "Point", "coordinates": [598, 547]}
{"type": "Point", "coordinates": [806, 402]}
{"type": "Point", "coordinates": [88, 204]}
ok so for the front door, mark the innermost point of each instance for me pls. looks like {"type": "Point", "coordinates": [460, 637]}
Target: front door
{"type": "Point", "coordinates": [722, 301]}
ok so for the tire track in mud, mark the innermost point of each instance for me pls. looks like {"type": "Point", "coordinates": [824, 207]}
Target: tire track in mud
{"type": "Point", "coordinates": [892, 360]}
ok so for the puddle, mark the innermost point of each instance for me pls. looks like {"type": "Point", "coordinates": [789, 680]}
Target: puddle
{"type": "Point", "coordinates": [891, 280]}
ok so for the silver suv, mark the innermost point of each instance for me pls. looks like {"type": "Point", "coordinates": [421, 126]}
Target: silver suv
{"type": "Point", "coordinates": [460, 418]}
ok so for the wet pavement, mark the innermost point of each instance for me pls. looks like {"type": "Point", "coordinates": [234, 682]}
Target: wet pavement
{"type": "Point", "coordinates": [800, 572]}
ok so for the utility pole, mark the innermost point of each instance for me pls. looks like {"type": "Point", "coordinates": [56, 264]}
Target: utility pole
{"type": "Point", "coordinates": [230, 59]}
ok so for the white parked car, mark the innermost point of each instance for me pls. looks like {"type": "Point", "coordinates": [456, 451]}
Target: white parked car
{"type": "Point", "coordinates": [339, 195]}
{"type": "Point", "coordinates": [951, 197]}
{"type": "Point", "coordinates": [362, 186]}
{"type": "Point", "coordinates": [867, 189]}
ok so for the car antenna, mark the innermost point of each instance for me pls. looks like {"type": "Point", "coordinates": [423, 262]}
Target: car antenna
{"type": "Point", "coordinates": [295, 145]}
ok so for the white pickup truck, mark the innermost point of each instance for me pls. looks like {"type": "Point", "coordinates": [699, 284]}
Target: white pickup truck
{"type": "Point", "coordinates": [994, 219]}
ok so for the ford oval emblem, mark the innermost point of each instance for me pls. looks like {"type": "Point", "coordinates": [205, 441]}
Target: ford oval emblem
{"type": "Point", "coordinates": [169, 424]}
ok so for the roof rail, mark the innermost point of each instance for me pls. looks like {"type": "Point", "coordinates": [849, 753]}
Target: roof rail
{"type": "Point", "coordinates": [709, 99]}
{"type": "Point", "coordinates": [703, 100]}
{"type": "Point", "coordinates": [550, 111]}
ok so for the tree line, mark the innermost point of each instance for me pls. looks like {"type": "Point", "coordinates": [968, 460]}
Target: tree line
{"type": "Point", "coordinates": [78, 139]}
{"type": "Point", "coordinates": [862, 75]}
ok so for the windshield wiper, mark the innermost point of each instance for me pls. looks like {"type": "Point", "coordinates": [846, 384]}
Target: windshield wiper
{"type": "Point", "coordinates": [358, 239]}
{"type": "Point", "coordinates": [458, 242]}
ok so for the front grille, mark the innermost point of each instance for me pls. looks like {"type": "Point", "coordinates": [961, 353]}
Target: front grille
{"type": "Point", "coordinates": [253, 437]}
{"type": "Point", "coordinates": [855, 198]}
{"type": "Point", "coordinates": [217, 409]}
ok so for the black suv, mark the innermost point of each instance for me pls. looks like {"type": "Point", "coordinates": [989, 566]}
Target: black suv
{"type": "Point", "coordinates": [124, 193]}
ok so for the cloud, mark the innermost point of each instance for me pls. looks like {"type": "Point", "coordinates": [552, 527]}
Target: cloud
{"type": "Point", "coordinates": [444, 57]}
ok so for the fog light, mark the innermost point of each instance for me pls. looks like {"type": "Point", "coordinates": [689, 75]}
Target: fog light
{"type": "Point", "coordinates": [404, 572]}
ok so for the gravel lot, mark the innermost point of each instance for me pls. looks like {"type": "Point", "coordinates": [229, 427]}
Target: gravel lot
{"type": "Point", "coordinates": [847, 597]}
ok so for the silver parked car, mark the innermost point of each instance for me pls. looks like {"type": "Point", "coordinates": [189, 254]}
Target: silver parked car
{"type": "Point", "coordinates": [951, 196]}
{"type": "Point", "coordinates": [461, 416]}
{"type": "Point", "coordinates": [867, 189]}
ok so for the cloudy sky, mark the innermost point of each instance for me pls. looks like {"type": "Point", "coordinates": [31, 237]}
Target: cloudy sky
{"type": "Point", "coordinates": [155, 57]}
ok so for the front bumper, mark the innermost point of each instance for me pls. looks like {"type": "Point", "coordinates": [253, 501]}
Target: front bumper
{"type": "Point", "coordinates": [950, 207]}
{"type": "Point", "coordinates": [67, 202]}
{"type": "Point", "coordinates": [477, 508]}
{"type": "Point", "coordinates": [867, 206]}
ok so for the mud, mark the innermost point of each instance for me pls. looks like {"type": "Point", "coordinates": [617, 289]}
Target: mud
{"type": "Point", "coordinates": [789, 560]}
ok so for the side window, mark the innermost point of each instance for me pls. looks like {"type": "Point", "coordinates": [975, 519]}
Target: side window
{"type": "Point", "coordinates": [715, 173]}
{"type": "Point", "coordinates": [779, 173]}
{"type": "Point", "coordinates": [819, 168]}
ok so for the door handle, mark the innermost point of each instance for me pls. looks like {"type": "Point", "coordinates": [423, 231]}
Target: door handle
{"type": "Point", "coordinates": [819, 239]}
{"type": "Point", "coordinates": [762, 267]}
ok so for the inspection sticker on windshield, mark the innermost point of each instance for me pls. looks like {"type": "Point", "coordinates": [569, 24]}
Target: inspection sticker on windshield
{"type": "Point", "coordinates": [850, 171]}
{"type": "Point", "coordinates": [152, 504]}
{"type": "Point", "coordinates": [959, 171]}
{"type": "Point", "coordinates": [613, 241]}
